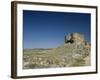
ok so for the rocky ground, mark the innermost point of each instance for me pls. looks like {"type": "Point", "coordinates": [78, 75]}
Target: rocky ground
{"type": "Point", "coordinates": [74, 52]}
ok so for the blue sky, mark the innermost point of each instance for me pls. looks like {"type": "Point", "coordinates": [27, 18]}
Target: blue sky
{"type": "Point", "coordinates": [42, 29]}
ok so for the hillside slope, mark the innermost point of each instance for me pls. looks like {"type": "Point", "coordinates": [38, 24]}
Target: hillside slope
{"type": "Point", "coordinates": [74, 52]}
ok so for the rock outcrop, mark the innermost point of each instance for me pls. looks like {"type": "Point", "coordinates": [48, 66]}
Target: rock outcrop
{"type": "Point", "coordinates": [74, 38]}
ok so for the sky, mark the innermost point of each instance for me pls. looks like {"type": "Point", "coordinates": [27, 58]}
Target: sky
{"type": "Point", "coordinates": [43, 29]}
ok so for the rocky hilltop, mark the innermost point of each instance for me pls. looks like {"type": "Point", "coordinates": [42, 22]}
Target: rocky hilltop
{"type": "Point", "coordinates": [74, 52]}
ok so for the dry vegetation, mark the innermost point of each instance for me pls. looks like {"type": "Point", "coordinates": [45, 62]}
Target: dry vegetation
{"type": "Point", "coordinates": [69, 54]}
